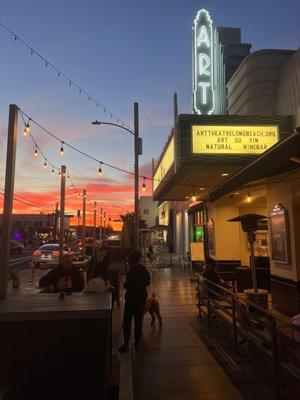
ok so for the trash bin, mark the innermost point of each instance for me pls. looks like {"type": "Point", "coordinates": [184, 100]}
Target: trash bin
{"type": "Point", "coordinates": [295, 322]}
{"type": "Point", "coordinates": [243, 278]}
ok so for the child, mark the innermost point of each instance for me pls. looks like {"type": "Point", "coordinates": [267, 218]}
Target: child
{"type": "Point", "coordinates": [152, 306]}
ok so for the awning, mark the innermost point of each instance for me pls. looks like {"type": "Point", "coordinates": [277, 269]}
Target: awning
{"type": "Point", "coordinates": [282, 157]}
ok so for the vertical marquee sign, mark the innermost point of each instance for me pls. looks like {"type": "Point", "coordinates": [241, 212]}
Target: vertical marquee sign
{"type": "Point", "coordinates": [203, 93]}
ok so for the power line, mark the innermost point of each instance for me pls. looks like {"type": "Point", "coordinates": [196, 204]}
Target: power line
{"type": "Point", "coordinates": [64, 76]}
{"type": "Point", "coordinates": [25, 202]}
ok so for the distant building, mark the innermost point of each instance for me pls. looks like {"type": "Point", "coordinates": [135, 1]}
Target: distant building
{"type": "Point", "coordinates": [237, 153]}
{"type": "Point", "coordinates": [25, 226]}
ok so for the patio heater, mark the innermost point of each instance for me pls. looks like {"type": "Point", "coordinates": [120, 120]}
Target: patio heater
{"type": "Point", "coordinates": [250, 226]}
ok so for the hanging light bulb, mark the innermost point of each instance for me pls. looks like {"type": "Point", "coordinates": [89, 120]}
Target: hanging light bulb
{"type": "Point", "coordinates": [59, 173]}
{"type": "Point", "coordinates": [68, 176]}
{"type": "Point", "coordinates": [144, 185]}
{"type": "Point", "coordinates": [45, 163]}
{"type": "Point", "coordinates": [62, 149]}
{"type": "Point", "coordinates": [26, 129]}
{"type": "Point", "coordinates": [72, 186]}
{"type": "Point", "coordinates": [194, 198]}
{"type": "Point", "coordinates": [249, 198]}
{"type": "Point", "coordinates": [100, 170]}
{"type": "Point", "coordinates": [35, 152]}
{"type": "Point", "coordinates": [52, 170]}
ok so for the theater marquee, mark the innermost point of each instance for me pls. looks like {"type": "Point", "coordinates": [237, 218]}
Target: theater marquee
{"type": "Point", "coordinates": [241, 139]}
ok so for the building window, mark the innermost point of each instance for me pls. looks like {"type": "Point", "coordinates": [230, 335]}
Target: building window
{"type": "Point", "coordinates": [146, 211]}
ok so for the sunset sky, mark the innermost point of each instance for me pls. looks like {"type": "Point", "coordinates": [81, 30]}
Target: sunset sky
{"type": "Point", "coordinates": [120, 52]}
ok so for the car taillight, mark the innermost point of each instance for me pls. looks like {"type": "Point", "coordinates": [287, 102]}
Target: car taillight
{"type": "Point", "coordinates": [55, 253]}
{"type": "Point", "coordinates": [37, 253]}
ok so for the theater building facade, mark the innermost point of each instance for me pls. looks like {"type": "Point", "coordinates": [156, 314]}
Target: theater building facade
{"type": "Point", "coordinates": [237, 153]}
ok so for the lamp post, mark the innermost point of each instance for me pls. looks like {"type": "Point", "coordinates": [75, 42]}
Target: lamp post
{"type": "Point", "coordinates": [137, 153]}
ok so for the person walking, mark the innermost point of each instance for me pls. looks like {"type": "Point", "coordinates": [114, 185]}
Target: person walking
{"type": "Point", "coordinates": [136, 282]}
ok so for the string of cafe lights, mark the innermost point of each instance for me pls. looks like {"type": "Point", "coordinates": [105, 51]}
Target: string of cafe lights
{"type": "Point", "coordinates": [101, 163]}
{"type": "Point", "coordinates": [61, 75]}
{"type": "Point", "coordinates": [38, 150]}
{"type": "Point", "coordinates": [72, 83]}
{"type": "Point", "coordinates": [64, 144]}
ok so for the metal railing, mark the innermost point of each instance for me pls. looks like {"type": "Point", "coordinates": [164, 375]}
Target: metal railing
{"type": "Point", "coordinates": [270, 334]}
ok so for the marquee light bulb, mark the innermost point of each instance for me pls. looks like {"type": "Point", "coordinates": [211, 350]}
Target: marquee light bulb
{"type": "Point", "coordinates": [193, 198]}
{"type": "Point", "coordinates": [249, 198]}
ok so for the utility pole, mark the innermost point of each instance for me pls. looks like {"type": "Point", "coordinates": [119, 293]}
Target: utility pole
{"type": "Point", "coordinates": [78, 220]}
{"type": "Point", "coordinates": [8, 197]}
{"type": "Point", "coordinates": [83, 218]}
{"type": "Point", "coordinates": [104, 223]}
{"type": "Point", "coordinates": [63, 172]}
{"type": "Point", "coordinates": [95, 217]}
{"type": "Point", "coordinates": [101, 222]}
{"type": "Point", "coordinates": [55, 220]}
{"type": "Point", "coordinates": [137, 153]}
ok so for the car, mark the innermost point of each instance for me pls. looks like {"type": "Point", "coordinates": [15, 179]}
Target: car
{"type": "Point", "coordinates": [16, 247]}
{"type": "Point", "coordinates": [47, 256]}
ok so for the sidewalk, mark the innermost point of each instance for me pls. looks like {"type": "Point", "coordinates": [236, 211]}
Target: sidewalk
{"type": "Point", "coordinates": [174, 364]}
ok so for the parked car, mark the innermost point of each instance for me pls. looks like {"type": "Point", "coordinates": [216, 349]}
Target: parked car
{"type": "Point", "coordinates": [16, 247]}
{"type": "Point", "coordinates": [47, 256]}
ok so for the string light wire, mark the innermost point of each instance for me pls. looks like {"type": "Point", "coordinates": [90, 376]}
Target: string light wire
{"type": "Point", "coordinates": [64, 76]}
{"type": "Point", "coordinates": [67, 144]}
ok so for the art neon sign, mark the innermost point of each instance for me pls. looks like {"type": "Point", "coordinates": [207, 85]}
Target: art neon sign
{"type": "Point", "coordinates": [203, 91]}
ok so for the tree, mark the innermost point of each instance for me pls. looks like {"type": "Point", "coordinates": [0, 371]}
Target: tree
{"type": "Point", "coordinates": [128, 229]}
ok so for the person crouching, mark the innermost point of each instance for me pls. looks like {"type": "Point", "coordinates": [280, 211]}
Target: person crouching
{"type": "Point", "coordinates": [152, 306]}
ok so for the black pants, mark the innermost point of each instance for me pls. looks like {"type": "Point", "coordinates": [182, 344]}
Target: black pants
{"type": "Point", "coordinates": [133, 310]}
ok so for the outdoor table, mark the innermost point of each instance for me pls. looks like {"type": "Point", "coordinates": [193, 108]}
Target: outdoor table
{"type": "Point", "coordinates": [55, 348]}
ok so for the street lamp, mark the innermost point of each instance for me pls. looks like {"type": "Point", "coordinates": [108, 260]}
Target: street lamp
{"type": "Point", "coordinates": [137, 153]}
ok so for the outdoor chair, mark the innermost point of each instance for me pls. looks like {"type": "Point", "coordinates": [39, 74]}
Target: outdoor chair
{"type": "Point", "coordinates": [154, 268]}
